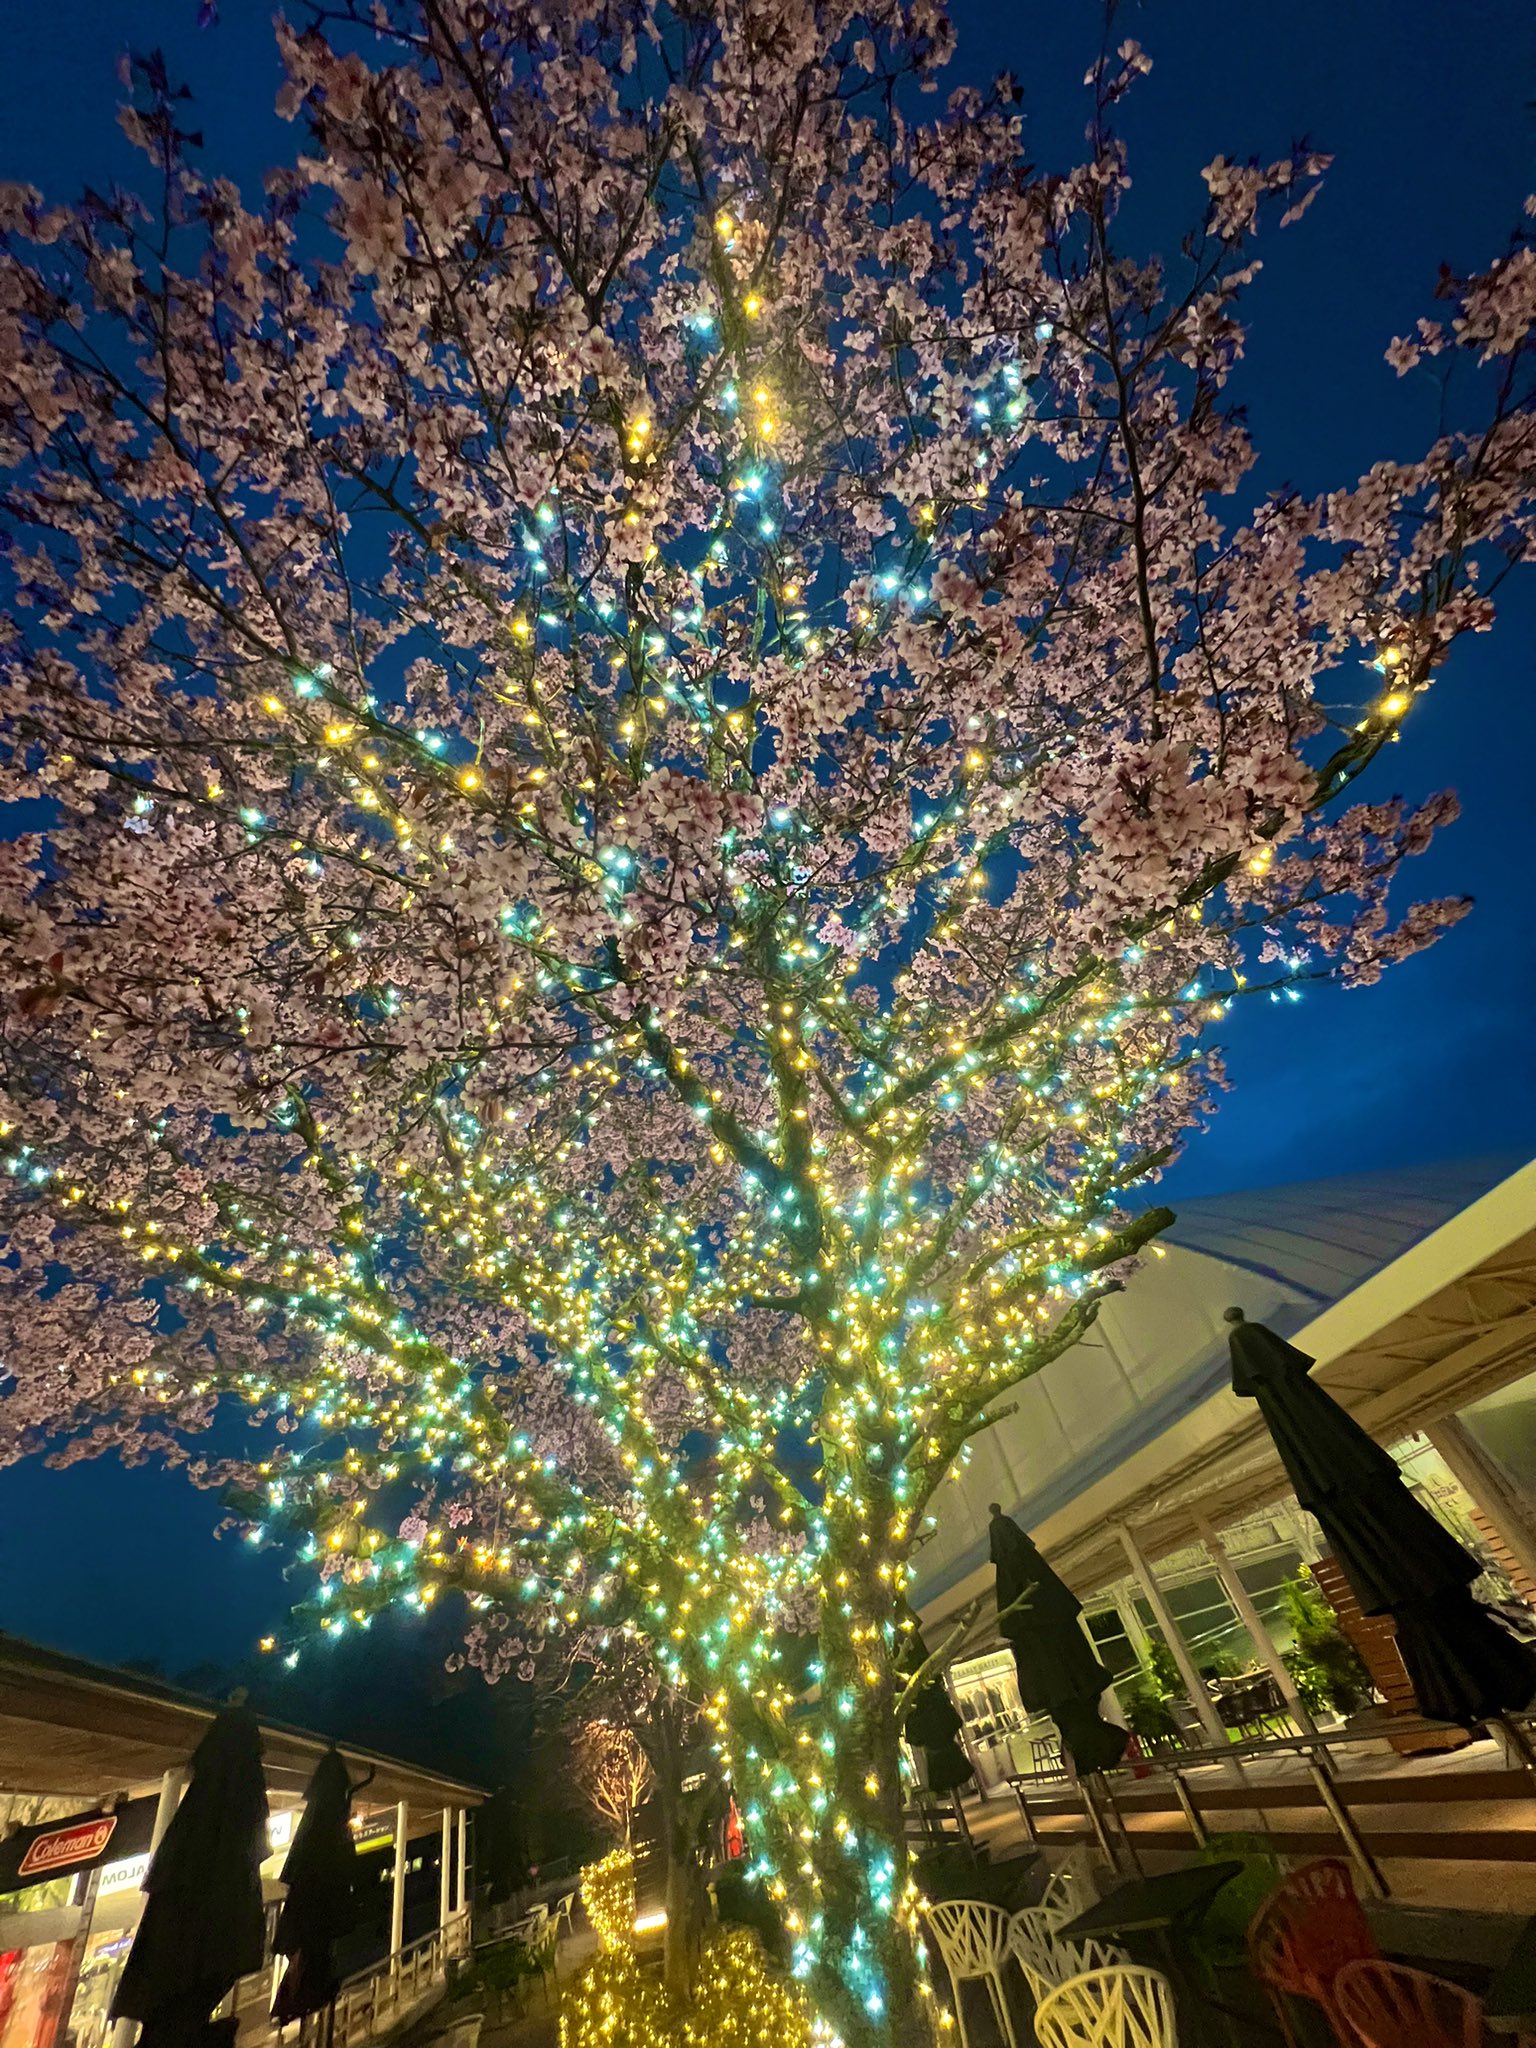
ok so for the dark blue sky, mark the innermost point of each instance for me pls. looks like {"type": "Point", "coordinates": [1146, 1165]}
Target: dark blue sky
{"type": "Point", "coordinates": [1425, 108]}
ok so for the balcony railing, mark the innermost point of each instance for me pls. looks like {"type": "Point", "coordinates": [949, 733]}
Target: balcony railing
{"type": "Point", "coordinates": [371, 2002]}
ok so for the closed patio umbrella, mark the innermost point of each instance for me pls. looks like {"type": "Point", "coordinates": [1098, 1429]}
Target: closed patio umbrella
{"type": "Point", "coordinates": [1059, 1673]}
{"type": "Point", "coordinates": [933, 1725]}
{"type": "Point", "coordinates": [1400, 1560]}
{"type": "Point", "coordinates": [202, 1926]}
{"type": "Point", "coordinates": [321, 1907]}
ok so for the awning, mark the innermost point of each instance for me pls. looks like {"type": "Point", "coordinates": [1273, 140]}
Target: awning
{"type": "Point", "coordinates": [73, 1730]}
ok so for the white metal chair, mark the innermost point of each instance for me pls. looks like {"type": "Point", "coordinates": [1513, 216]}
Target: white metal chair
{"type": "Point", "coordinates": [1032, 1944]}
{"type": "Point", "coordinates": [1126, 2007]}
{"type": "Point", "coordinates": [1034, 1939]}
{"type": "Point", "coordinates": [973, 1940]}
{"type": "Point", "coordinates": [532, 1924]}
{"type": "Point", "coordinates": [1070, 1890]}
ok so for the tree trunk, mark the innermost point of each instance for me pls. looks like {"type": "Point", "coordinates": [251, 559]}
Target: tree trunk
{"type": "Point", "coordinates": [684, 1915]}
{"type": "Point", "coordinates": [830, 1810]}
{"type": "Point", "coordinates": [870, 1979]}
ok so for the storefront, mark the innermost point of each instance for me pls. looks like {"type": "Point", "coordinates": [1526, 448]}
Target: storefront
{"type": "Point", "coordinates": [68, 1896]}
{"type": "Point", "coordinates": [72, 1867]}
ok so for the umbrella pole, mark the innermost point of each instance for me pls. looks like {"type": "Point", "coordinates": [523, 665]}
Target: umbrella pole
{"type": "Point", "coordinates": [965, 1827]}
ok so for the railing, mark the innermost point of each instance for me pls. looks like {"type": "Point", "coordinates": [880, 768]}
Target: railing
{"type": "Point", "coordinates": [372, 2001]}
{"type": "Point", "coordinates": [1225, 1790]}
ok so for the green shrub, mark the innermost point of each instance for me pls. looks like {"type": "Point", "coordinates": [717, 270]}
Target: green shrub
{"type": "Point", "coordinates": [1144, 1702]}
{"type": "Point", "coordinates": [1325, 1664]}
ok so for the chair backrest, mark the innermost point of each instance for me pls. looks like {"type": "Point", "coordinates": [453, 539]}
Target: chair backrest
{"type": "Point", "coordinates": [1089, 1954]}
{"type": "Point", "coordinates": [1033, 1946]}
{"type": "Point", "coordinates": [1034, 1936]}
{"type": "Point", "coordinates": [1126, 2007]}
{"type": "Point", "coordinates": [1308, 1929]}
{"type": "Point", "coordinates": [1069, 1891]}
{"type": "Point", "coordinates": [1390, 2006]}
{"type": "Point", "coordinates": [1045, 1756]}
{"type": "Point", "coordinates": [1039, 1924]}
{"type": "Point", "coordinates": [972, 1936]}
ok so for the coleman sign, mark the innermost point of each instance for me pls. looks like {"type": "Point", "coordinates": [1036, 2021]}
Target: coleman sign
{"type": "Point", "coordinates": [57, 1848]}
{"type": "Point", "coordinates": [66, 1848]}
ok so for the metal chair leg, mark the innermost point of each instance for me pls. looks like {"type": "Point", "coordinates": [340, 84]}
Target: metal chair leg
{"type": "Point", "coordinates": [1000, 2008]}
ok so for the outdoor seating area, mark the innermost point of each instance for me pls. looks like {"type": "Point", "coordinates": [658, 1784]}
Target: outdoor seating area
{"type": "Point", "coordinates": [1251, 1704]}
{"type": "Point", "coordinates": [1152, 1964]}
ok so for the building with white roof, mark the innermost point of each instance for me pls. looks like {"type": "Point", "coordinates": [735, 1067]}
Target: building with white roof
{"type": "Point", "coordinates": [1416, 1293]}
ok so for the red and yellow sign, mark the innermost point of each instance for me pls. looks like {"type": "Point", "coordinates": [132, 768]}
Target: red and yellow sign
{"type": "Point", "coordinates": [67, 1847]}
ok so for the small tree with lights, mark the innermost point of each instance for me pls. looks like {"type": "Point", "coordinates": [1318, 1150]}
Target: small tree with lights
{"type": "Point", "coordinates": [654, 741]}
{"type": "Point", "coordinates": [612, 1773]}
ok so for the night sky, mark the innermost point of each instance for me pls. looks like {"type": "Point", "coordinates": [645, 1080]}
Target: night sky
{"type": "Point", "coordinates": [1426, 109]}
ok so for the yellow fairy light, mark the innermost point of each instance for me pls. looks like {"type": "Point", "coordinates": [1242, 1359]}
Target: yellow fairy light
{"type": "Point", "coordinates": [608, 1894]}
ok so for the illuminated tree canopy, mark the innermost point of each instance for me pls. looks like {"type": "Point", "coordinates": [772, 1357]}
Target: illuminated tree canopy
{"type": "Point", "coordinates": [657, 722]}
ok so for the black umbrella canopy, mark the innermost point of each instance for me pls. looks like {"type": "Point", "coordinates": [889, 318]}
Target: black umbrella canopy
{"type": "Point", "coordinates": [932, 1724]}
{"type": "Point", "coordinates": [1400, 1559]}
{"type": "Point", "coordinates": [1059, 1674]}
{"type": "Point", "coordinates": [202, 1924]}
{"type": "Point", "coordinates": [321, 1907]}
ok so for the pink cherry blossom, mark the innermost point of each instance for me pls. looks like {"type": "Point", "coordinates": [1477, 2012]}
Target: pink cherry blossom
{"type": "Point", "coordinates": [662, 721]}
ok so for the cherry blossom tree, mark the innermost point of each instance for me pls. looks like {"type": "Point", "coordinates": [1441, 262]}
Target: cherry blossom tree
{"type": "Point", "coordinates": [657, 722]}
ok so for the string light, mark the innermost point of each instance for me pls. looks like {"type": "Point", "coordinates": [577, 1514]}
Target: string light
{"type": "Point", "coordinates": [904, 1125]}
{"type": "Point", "coordinates": [740, 2003]}
{"type": "Point", "coordinates": [608, 1895]}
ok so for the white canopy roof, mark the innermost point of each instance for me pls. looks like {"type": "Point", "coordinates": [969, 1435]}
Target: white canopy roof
{"type": "Point", "coordinates": [1415, 1291]}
